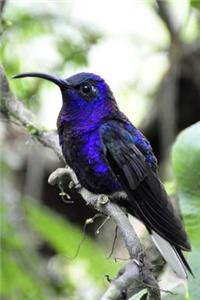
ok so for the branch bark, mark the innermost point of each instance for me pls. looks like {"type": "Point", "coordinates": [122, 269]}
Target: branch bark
{"type": "Point", "coordinates": [13, 108]}
{"type": "Point", "coordinates": [170, 21]}
{"type": "Point", "coordinates": [2, 5]}
{"type": "Point", "coordinates": [137, 273]}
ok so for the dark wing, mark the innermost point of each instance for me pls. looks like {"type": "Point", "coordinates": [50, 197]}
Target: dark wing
{"type": "Point", "coordinates": [147, 199]}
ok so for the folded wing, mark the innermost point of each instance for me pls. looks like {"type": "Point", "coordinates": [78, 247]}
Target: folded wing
{"type": "Point", "coordinates": [147, 199]}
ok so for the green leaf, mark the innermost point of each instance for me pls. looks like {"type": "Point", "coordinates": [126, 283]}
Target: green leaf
{"type": "Point", "coordinates": [186, 165]}
{"type": "Point", "coordinates": [186, 160]}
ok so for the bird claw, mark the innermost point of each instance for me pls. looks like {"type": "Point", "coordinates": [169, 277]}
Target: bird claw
{"type": "Point", "coordinates": [140, 261]}
{"type": "Point", "coordinates": [77, 186]}
{"type": "Point", "coordinates": [74, 185]}
{"type": "Point", "coordinates": [56, 176]}
{"type": "Point", "coordinates": [71, 185]}
{"type": "Point", "coordinates": [137, 262]}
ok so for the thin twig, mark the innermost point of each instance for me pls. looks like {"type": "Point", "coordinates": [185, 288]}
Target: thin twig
{"type": "Point", "coordinates": [87, 222]}
{"type": "Point", "coordinates": [102, 224]}
{"type": "Point", "coordinates": [113, 243]}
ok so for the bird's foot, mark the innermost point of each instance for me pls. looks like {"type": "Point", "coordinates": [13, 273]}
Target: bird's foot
{"type": "Point", "coordinates": [56, 176]}
{"type": "Point", "coordinates": [74, 185]}
{"type": "Point", "coordinates": [140, 261]}
{"type": "Point", "coordinates": [60, 174]}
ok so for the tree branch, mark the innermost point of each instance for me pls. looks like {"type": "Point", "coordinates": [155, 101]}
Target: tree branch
{"type": "Point", "coordinates": [11, 107]}
{"type": "Point", "coordinates": [137, 273]}
{"type": "Point", "coordinates": [2, 5]}
{"type": "Point", "coordinates": [166, 15]}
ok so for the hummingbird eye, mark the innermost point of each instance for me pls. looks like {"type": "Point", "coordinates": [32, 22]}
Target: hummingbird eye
{"type": "Point", "coordinates": [87, 89]}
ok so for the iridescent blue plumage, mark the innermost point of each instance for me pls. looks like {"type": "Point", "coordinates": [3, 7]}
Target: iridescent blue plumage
{"type": "Point", "coordinates": [108, 154]}
{"type": "Point", "coordinates": [79, 124]}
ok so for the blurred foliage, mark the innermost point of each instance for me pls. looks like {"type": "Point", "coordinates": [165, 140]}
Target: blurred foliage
{"type": "Point", "coordinates": [26, 274]}
{"type": "Point", "coordinates": [69, 47]}
{"type": "Point", "coordinates": [195, 3]}
{"type": "Point", "coordinates": [38, 248]}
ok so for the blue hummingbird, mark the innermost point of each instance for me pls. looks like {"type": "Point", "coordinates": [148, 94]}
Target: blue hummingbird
{"type": "Point", "coordinates": [109, 155]}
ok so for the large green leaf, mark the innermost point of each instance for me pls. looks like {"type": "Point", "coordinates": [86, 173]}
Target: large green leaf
{"type": "Point", "coordinates": [186, 164]}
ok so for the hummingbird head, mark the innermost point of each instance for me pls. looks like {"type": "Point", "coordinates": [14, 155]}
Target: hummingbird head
{"type": "Point", "coordinates": [87, 98]}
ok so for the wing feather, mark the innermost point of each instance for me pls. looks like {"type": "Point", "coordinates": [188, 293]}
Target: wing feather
{"type": "Point", "coordinates": [146, 195]}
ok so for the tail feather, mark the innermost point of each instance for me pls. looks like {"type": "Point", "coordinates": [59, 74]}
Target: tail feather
{"type": "Point", "coordinates": [179, 252]}
{"type": "Point", "coordinates": [172, 256]}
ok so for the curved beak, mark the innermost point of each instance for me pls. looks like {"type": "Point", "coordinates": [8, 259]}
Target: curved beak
{"type": "Point", "coordinates": [58, 81]}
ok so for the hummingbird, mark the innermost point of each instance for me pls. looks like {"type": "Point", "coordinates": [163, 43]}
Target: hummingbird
{"type": "Point", "coordinates": [109, 154]}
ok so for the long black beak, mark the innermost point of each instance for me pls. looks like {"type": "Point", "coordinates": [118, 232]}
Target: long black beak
{"type": "Point", "coordinates": [58, 81]}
